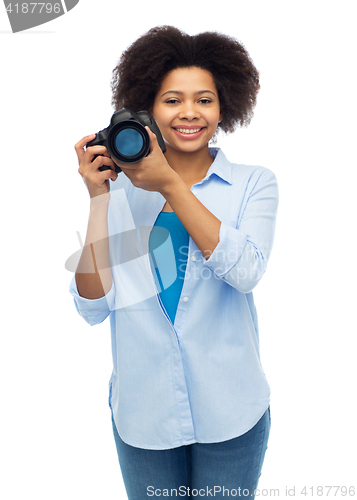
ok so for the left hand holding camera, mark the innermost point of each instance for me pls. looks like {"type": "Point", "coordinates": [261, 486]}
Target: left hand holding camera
{"type": "Point", "coordinates": [152, 173]}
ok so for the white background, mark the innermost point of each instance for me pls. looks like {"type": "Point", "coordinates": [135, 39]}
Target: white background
{"type": "Point", "coordinates": [55, 432]}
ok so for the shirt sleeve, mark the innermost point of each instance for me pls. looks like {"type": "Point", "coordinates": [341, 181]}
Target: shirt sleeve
{"type": "Point", "coordinates": [242, 254]}
{"type": "Point", "coordinates": [93, 311]}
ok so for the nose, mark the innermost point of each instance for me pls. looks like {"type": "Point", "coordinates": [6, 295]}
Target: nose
{"type": "Point", "coordinates": [189, 112]}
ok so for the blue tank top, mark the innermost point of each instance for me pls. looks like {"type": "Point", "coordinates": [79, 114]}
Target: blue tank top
{"type": "Point", "coordinates": [163, 259]}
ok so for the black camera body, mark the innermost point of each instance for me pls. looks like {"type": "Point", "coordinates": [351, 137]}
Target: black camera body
{"type": "Point", "coordinates": [126, 139]}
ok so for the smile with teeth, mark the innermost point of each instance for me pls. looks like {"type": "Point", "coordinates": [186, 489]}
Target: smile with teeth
{"type": "Point", "coordinates": [188, 130]}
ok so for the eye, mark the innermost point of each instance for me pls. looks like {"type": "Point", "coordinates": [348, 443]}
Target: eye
{"type": "Point", "coordinates": [172, 100]}
{"type": "Point", "coordinates": [205, 100]}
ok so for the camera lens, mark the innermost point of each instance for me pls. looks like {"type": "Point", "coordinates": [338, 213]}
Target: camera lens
{"type": "Point", "coordinates": [129, 142]}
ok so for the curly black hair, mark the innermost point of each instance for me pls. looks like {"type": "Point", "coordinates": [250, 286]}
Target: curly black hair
{"type": "Point", "coordinates": [138, 76]}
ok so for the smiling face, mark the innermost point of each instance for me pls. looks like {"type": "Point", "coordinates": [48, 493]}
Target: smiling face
{"type": "Point", "coordinates": [187, 110]}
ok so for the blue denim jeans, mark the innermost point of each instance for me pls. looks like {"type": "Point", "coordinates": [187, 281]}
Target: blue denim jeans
{"type": "Point", "coordinates": [217, 470]}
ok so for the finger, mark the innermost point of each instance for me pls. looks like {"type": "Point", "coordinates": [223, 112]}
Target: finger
{"type": "Point", "coordinates": [92, 167]}
{"type": "Point", "coordinates": [102, 161]}
{"type": "Point", "coordinates": [153, 140]}
{"type": "Point", "coordinates": [114, 176]}
{"type": "Point", "coordinates": [79, 147]}
{"type": "Point", "coordinates": [98, 178]}
{"type": "Point", "coordinates": [95, 150]}
{"type": "Point", "coordinates": [109, 174]}
{"type": "Point", "coordinates": [151, 134]}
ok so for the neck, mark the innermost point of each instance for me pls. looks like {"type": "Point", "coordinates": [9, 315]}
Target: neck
{"type": "Point", "coordinates": [191, 167]}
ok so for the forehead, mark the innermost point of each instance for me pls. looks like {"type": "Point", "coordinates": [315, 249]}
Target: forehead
{"type": "Point", "coordinates": [188, 80]}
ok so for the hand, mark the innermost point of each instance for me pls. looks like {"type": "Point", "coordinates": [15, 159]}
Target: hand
{"type": "Point", "coordinates": [97, 181]}
{"type": "Point", "coordinates": [152, 173]}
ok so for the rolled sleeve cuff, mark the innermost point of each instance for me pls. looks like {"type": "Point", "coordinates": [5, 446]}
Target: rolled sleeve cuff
{"type": "Point", "coordinates": [93, 311]}
{"type": "Point", "coordinates": [228, 251]}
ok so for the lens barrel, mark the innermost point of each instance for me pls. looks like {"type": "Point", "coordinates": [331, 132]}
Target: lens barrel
{"type": "Point", "coordinates": [128, 141]}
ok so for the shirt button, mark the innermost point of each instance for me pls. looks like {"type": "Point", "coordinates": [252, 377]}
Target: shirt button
{"type": "Point", "coordinates": [193, 258]}
{"type": "Point", "coordinates": [194, 192]}
{"type": "Point", "coordinates": [185, 299]}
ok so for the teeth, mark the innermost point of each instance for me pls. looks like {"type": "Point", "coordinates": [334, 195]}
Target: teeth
{"type": "Point", "coordinates": [188, 130]}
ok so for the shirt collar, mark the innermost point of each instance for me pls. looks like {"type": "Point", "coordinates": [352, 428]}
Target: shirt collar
{"type": "Point", "coordinates": [220, 166]}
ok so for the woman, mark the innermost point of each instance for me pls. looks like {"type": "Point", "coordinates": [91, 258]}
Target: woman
{"type": "Point", "coordinates": [188, 395]}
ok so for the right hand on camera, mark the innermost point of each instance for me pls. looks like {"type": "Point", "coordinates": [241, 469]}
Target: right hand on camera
{"type": "Point", "coordinates": [97, 181]}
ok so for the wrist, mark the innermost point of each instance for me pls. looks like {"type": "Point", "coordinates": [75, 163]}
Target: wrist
{"type": "Point", "coordinates": [100, 202]}
{"type": "Point", "coordinates": [171, 186]}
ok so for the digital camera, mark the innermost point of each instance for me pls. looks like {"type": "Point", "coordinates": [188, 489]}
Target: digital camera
{"type": "Point", "coordinates": [126, 139]}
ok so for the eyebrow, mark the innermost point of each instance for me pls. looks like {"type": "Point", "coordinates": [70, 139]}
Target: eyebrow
{"type": "Point", "coordinates": [178, 92]}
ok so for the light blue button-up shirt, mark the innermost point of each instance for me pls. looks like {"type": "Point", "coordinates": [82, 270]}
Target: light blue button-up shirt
{"type": "Point", "coordinates": [199, 379]}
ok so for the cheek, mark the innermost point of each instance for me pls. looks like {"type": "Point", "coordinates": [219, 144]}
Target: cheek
{"type": "Point", "coordinates": [165, 122]}
{"type": "Point", "coordinates": [161, 122]}
{"type": "Point", "coordinates": [164, 128]}
{"type": "Point", "coordinates": [217, 115]}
